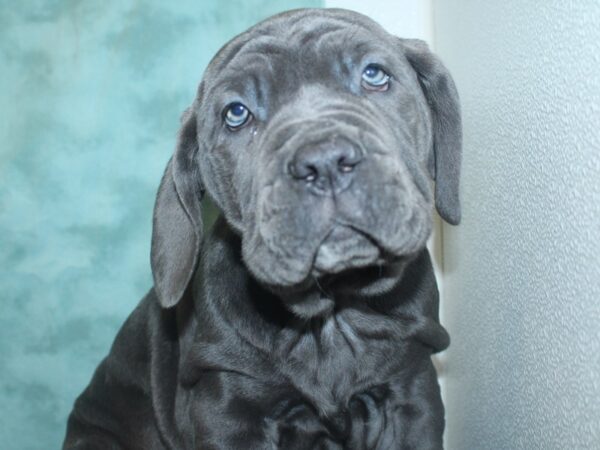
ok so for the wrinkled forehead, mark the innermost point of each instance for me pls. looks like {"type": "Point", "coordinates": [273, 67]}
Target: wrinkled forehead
{"type": "Point", "coordinates": [301, 43]}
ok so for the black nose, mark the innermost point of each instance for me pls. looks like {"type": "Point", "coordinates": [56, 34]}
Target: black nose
{"type": "Point", "coordinates": [325, 166]}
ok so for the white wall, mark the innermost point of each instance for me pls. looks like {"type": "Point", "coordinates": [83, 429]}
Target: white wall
{"type": "Point", "coordinates": [405, 18]}
{"type": "Point", "coordinates": [522, 272]}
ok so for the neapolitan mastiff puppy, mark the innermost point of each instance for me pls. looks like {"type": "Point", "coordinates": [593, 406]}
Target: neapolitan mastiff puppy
{"type": "Point", "coordinates": [306, 318]}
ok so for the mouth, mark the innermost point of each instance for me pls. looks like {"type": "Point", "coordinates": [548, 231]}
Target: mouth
{"type": "Point", "coordinates": [351, 260]}
{"type": "Point", "coordinates": [364, 271]}
{"type": "Point", "coordinates": [345, 248]}
{"type": "Point", "coordinates": [348, 264]}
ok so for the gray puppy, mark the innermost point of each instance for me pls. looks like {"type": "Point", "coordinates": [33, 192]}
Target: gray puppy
{"type": "Point", "coordinates": [307, 317]}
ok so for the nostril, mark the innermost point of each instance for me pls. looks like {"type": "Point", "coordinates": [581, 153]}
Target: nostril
{"type": "Point", "coordinates": [325, 164]}
{"type": "Point", "coordinates": [346, 165]}
{"type": "Point", "coordinates": [303, 171]}
{"type": "Point", "coordinates": [346, 168]}
{"type": "Point", "coordinates": [311, 173]}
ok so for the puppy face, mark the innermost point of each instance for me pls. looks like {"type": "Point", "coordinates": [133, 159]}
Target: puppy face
{"type": "Point", "coordinates": [315, 136]}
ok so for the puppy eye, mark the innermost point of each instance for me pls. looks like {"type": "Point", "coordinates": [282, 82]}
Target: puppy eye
{"type": "Point", "coordinates": [374, 78]}
{"type": "Point", "coordinates": [236, 115]}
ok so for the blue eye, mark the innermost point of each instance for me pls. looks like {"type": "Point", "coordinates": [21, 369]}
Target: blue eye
{"type": "Point", "coordinates": [236, 115]}
{"type": "Point", "coordinates": [375, 78]}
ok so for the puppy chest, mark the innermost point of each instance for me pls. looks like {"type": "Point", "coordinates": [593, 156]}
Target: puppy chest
{"type": "Point", "coordinates": [329, 364]}
{"type": "Point", "coordinates": [325, 383]}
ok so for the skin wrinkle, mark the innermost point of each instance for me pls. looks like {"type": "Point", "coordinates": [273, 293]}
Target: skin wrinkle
{"type": "Point", "coordinates": [260, 222]}
{"type": "Point", "coordinates": [227, 55]}
{"type": "Point", "coordinates": [318, 34]}
{"type": "Point", "coordinates": [282, 248]}
{"type": "Point", "coordinates": [344, 334]}
{"type": "Point", "coordinates": [256, 63]}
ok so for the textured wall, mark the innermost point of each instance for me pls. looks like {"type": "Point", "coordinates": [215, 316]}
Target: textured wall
{"type": "Point", "coordinates": [522, 282]}
{"type": "Point", "coordinates": [90, 94]}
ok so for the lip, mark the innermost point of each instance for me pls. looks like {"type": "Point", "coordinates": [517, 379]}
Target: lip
{"type": "Point", "coordinates": [345, 248]}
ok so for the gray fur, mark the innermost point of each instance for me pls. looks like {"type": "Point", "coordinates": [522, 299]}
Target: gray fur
{"type": "Point", "coordinates": [307, 316]}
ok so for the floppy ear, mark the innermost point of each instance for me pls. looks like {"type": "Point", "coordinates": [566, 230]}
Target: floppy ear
{"type": "Point", "coordinates": [177, 221]}
{"type": "Point", "coordinates": [442, 97]}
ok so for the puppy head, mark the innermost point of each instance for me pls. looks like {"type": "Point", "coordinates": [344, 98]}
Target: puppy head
{"type": "Point", "coordinates": [317, 134]}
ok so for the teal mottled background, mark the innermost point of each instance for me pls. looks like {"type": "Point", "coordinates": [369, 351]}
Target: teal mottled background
{"type": "Point", "coordinates": [90, 95]}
